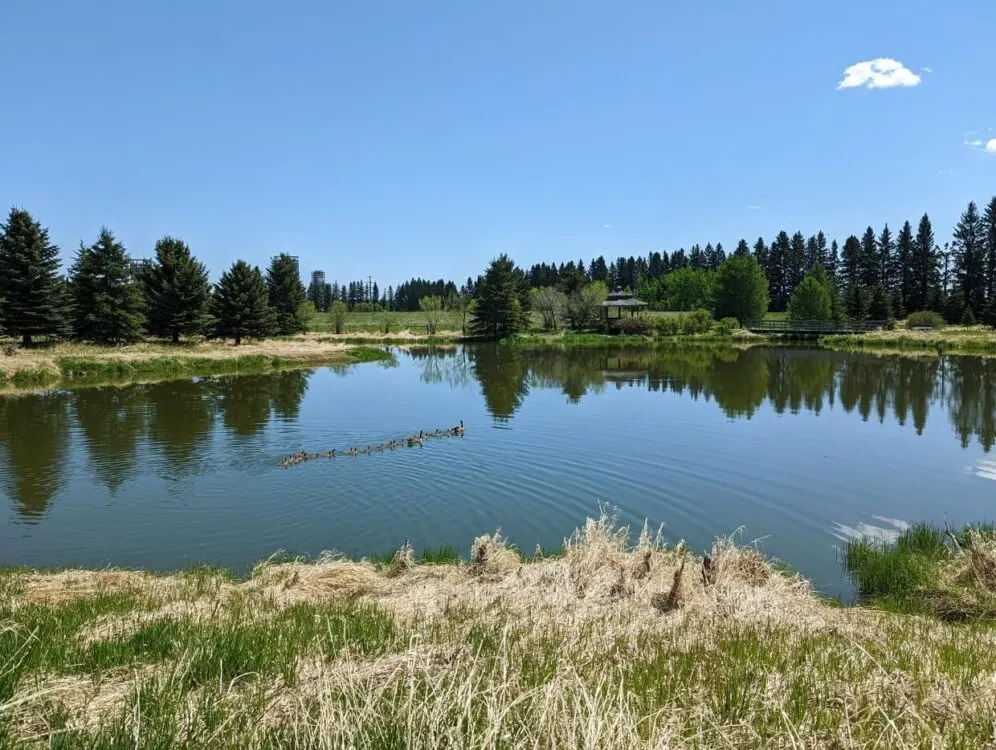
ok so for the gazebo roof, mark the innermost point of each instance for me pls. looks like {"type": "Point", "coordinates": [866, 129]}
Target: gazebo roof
{"type": "Point", "coordinates": [619, 298]}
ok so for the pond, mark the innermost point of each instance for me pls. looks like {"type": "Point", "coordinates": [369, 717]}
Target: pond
{"type": "Point", "coordinates": [797, 449]}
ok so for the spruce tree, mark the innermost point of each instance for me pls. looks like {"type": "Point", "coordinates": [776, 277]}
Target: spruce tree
{"type": "Point", "coordinates": [989, 229]}
{"type": "Point", "coordinates": [177, 292]}
{"type": "Point", "coordinates": [850, 273]}
{"type": "Point", "coordinates": [870, 268]}
{"type": "Point", "coordinates": [30, 299]}
{"type": "Point", "coordinates": [286, 293]}
{"type": "Point", "coordinates": [879, 307]}
{"type": "Point", "coordinates": [502, 306]}
{"type": "Point", "coordinates": [886, 250]}
{"type": "Point", "coordinates": [970, 257]}
{"type": "Point", "coordinates": [240, 304]}
{"type": "Point", "coordinates": [776, 271]}
{"type": "Point", "coordinates": [108, 307]}
{"type": "Point", "coordinates": [856, 302]}
{"type": "Point", "coordinates": [924, 281]}
{"type": "Point", "coordinates": [795, 265]}
{"type": "Point", "coordinates": [904, 265]}
{"type": "Point", "coordinates": [833, 261]}
{"type": "Point", "coordinates": [742, 248]}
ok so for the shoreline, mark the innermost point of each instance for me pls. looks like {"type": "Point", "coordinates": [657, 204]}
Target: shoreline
{"type": "Point", "coordinates": [604, 643]}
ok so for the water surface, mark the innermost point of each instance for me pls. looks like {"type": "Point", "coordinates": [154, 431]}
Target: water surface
{"type": "Point", "coordinates": [799, 448]}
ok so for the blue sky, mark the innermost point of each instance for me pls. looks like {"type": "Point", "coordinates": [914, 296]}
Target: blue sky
{"type": "Point", "coordinates": [399, 139]}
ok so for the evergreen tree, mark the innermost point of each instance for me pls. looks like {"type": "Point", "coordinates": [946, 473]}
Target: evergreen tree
{"type": "Point", "coordinates": [30, 303]}
{"type": "Point", "coordinates": [775, 271]}
{"type": "Point", "coordinates": [741, 290]}
{"type": "Point", "coordinates": [812, 254]}
{"type": "Point", "coordinates": [742, 248]}
{"type": "Point", "coordinates": [107, 301]}
{"type": "Point", "coordinates": [240, 304]}
{"type": "Point", "coordinates": [823, 277]}
{"type": "Point", "coordinates": [870, 268]}
{"type": "Point", "coordinates": [856, 302]}
{"type": "Point", "coordinates": [970, 257]}
{"type": "Point", "coordinates": [886, 250]}
{"type": "Point", "coordinates": [286, 293]}
{"type": "Point", "coordinates": [850, 272]}
{"type": "Point", "coordinates": [502, 307]}
{"type": "Point", "coordinates": [599, 271]}
{"type": "Point", "coordinates": [879, 308]}
{"type": "Point", "coordinates": [177, 292]}
{"type": "Point", "coordinates": [795, 265]}
{"type": "Point", "coordinates": [923, 269]}
{"type": "Point", "coordinates": [832, 263]}
{"type": "Point", "coordinates": [696, 258]}
{"type": "Point", "coordinates": [376, 294]}
{"type": "Point", "coordinates": [904, 264]}
{"type": "Point", "coordinates": [761, 252]}
{"type": "Point", "coordinates": [989, 230]}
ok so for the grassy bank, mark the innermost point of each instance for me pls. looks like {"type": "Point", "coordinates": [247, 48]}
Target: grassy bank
{"type": "Point", "coordinates": [601, 646]}
{"type": "Point", "coordinates": [597, 340]}
{"type": "Point", "coordinates": [79, 364]}
{"type": "Point", "coordinates": [952, 340]}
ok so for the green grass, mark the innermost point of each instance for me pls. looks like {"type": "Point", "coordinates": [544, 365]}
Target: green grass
{"type": "Point", "coordinates": [359, 322]}
{"type": "Point", "coordinates": [928, 570]}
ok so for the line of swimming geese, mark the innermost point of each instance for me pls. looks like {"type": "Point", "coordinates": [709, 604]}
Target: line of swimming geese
{"type": "Point", "coordinates": [412, 441]}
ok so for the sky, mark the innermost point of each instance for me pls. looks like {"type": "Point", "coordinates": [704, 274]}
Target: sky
{"type": "Point", "coordinates": [400, 139]}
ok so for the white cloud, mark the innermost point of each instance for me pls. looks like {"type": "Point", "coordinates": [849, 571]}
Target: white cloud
{"type": "Point", "coordinates": [991, 146]}
{"type": "Point", "coordinates": [926, 70]}
{"type": "Point", "coordinates": [975, 144]}
{"type": "Point", "coordinates": [753, 208]}
{"type": "Point", "coordinates": [881, 73]}
{"type": "Point", "coordinates": [606, 226]}
{"type": "Point", "coordinates": [986, 143]}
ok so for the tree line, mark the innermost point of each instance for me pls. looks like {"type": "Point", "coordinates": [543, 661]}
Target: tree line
{"type": "Point", "coordinates": [880, 274]}
{"type": "Point", "coordinates": [366, 296]}
{"type": "Point", "coordinates": [108, 298]}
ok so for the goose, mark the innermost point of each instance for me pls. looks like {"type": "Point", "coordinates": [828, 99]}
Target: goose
{"type": "Point", "coordinates": [458, 430]}
{"type": "Point", "coordinates": [415, 440]}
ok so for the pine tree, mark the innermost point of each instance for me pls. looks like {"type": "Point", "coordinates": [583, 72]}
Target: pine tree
{"type": "Point", "coordinates": [989, 229]}
{"type": "Point", "coordinates": [886, 250]}
{"type": "Point", "coordinates": [970, 257]}
{"type": "Point", "coordinates": [742, 248]}
{"type": "Point", "coordinates": [502, 307]}
{"type": "Point", "coordinates": [107, 300]}
{"type": "Point", "coordinates": [856, 302]}
{"type": "Point", "coordinates": [850, 274]}
{"type": "Point", "coordinates": [286, 293]}
{"type": "Point", "coordinates": [177, 292]}
{"type": "Point", "coordinates": [795, 263]}
{"type": "Point", "coordinates": [870, 267]}
{"type": "Point", "coordinates": [813, 258]}
{"type": "Point", "coordinates": [240, 304]}
{"type": "Point", "coordinates": [904, 264]}
{"type": "Point", "coordinates": [776, 271]}
{"type": "Point", "coordinates": [832, 263]}
{"type": "Point", "coordinates": [879, 308]}
{"type": "Point", "coordinates": [30, 303]}
{"type": "Point", "coordinates": [924, 279]}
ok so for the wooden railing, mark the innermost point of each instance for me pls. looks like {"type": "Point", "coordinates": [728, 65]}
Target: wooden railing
{"type": "Point", "coordinates": [821, 326]}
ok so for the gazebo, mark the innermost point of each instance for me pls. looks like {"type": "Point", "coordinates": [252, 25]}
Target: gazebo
{"type": "Point", "coordinates": [621, 300]}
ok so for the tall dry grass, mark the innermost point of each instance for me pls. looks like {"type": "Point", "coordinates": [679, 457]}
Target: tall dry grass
{"type": "Point", "coordinates": [605, 645]}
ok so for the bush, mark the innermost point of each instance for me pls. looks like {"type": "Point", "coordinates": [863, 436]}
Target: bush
{"type": "Point", "coordinates": [669, 325]}
{"type": "Point", "coordinates": [968, 319]}
{"type": "Point", "coordinates": [697, 321]}
{"type": "Point", "coordinates": [727, 325]}
{"type": "Point", "coordinates": [632, 326]}
{"type": "Point", "coordinates": [927, 318]}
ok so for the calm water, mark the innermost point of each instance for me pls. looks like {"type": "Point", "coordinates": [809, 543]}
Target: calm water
{"type": "Point", "coordinates": [801, 448]}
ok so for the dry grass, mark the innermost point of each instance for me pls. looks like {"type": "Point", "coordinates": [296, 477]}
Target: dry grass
{"type": "Point", "coordinates": [608, 645]}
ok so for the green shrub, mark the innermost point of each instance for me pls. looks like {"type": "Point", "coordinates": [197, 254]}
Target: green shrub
{"type": "Point", "coordinates": [925, 318]}
{"type": "Point", "coordinates": [697, 321]}
{"type": "Point", "coordinates": [968, 319]}
{"type": "Point", "coordinates": [727, 325]}
{"type": "Point", "coordinates": [632, 326]}
{"type": "Point", "coordinates": [669, 325]}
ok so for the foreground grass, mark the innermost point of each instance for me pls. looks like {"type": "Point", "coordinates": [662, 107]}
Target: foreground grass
{"type": "Point", "coordinates": [951, 340]}
{"type": "Point", "coordinates": [82, 364]}
{"type": "Point", "coordinates": [600, 646]}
